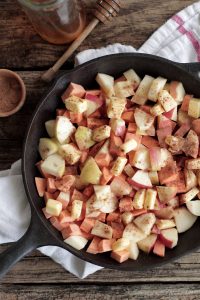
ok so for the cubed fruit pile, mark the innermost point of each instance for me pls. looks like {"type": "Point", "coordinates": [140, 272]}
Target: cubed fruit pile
{"type": "Point", "coordinates": [121, 166]}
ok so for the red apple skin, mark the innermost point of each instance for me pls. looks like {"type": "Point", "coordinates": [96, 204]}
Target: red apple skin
{"type": "Point", "coordinates": [137, 185]}
{"type": "Point", "coordinates": [169, 114]}
{"type": "Point", "coordinates": [164, 213]}
{"type": "Point", "coordinates": [155, 158]}
{"type": "Point", "coordinates": [169, 242]}
{"type": "Point", "coordinates": [94, 98]}
{"type": "Point", "coordinates": [159, 248]}
{"type": "Point", "coordinates": [155, 230]}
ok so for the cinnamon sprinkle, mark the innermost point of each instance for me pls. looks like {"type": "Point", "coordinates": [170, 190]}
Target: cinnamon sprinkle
{"type": "Point", "coordinates": [10, 93]}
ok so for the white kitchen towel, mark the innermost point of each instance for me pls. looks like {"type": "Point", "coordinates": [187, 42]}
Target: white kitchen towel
{"type": "Point", "coordinates": [178, 40]}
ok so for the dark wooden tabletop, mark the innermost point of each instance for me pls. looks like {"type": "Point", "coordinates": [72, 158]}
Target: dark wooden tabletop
{"type": "Point", "coordinates": [36, 276]}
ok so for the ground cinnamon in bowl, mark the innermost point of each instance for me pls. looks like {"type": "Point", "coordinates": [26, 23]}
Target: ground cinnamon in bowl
{"type": "Point", "coordinates": [12, 92]}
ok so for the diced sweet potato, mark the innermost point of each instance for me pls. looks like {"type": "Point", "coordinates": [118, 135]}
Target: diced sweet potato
{"type": "Point", "coordinates": [94, 245]}
{"type": "Point", "coordinates": [168, 173]}
{"type": "Point", "coordinates": [70, 230]}
{"type": "Point", "coordinates": [115, 144]}
{"type": "Point", "coordinates": [120, 256]}
{"type": "Point", "coordinates": [114, 217]}
{"type": "Point", "coordinates": [196, 126]}
{"type": "Point", "coordinates": [183, 129]}
{"type": "Point", "coordinates": [75, 117]}
{"type": "Point", "coordinates": [179, 183]}
{"type": "Point", "coordinates": [162, 133]}
{"type": "Point", "coordinates": [106, 245]}
{"type": "Point", "coordinates": [159, 248]}
{"type": "Point", "coordinates": [106, 176]}
{"type": "Point", "coordinates": [87, 225]}
{"type": "Point", "coordinates": [65, 217]}
{"type": "Point", "coordinates": [95, 123]}
{"type": "Point", "coordinates": [185, 103]}
{"type": "Point", "coordinates": [76, 195]}
{"type": "Point", "coordinates": [88, 191]}
{"type": "Point", "coordinates": [103, 159]}
{"type": "Point", "coordinates": [51, 188]}
{"type": "Point", "coordinates": [118, 229]}
{"type": "Point", "coordinates": [65, 183]}
{"type": "Point", "coordinates": [128, 116]}
{"type": "Point", "coordinates": [41, 184]}
{"type": "Point", "coordinates": [56, 223]}
{"type": "Point", "coordinates": [149, 142]}
{"type": "Point", "coordinates": [84, 156]}
{"type": "Point", "coordinates": [191, 145]}
{"type": "Point", "coordinates": [125, 204]}
{"type": "Point", "coordinates": [132, 127]}
{"type": "Point", "coordinates": [95, 149]}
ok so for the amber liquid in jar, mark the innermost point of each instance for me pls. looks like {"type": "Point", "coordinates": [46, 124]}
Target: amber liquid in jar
{"type": "Point", "coordinates": [56, 21]}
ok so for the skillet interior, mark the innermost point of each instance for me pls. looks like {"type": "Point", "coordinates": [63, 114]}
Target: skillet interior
{"type": "Point", "coordinates": [114, 65]}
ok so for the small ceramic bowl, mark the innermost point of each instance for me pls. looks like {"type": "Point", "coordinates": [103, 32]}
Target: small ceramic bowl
{"type": "Point", "coordinates": [12, 92]}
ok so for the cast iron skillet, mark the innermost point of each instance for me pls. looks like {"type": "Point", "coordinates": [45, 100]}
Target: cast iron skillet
{"type": "Point", "coordinates": [41, 232]}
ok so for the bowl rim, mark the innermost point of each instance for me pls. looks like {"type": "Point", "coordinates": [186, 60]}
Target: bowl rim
{"type": "Point", "coordinates": [23, 92]}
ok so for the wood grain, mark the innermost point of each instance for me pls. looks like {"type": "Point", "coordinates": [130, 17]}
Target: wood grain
{"type": "Point", "coordinates": [22, 48]}
{"type": "Point", "coordinates": [105, 292]}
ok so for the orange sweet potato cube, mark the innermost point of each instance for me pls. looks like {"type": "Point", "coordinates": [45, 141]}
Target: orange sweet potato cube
{"type": "Point", "coordinates": [41, 184]}
{"type": "Point", "coordinates": [168, 173]}
{"type": "Point", "coordinates": [87, 225]}
{"type": "Point", "coordinates": [51, 188]}
{"type": "Point", "coordinates": [94, 245]}
{"type": "Point", "coordinates": [106, 245]}
{"type": "Point", "coordinates": [120, 256]}
{"type": "Point", "coordinates": [118, 229]}
{"type": "Point", "coordinates": [73, 89]}
{"type": "Point", "coordinates": [125, 204]}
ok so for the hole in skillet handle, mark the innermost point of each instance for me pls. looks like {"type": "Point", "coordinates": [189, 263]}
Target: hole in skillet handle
{"type": "Point", "coordinates": [193, 68]}
{"type": "Point", "coordinates": [34, 237]}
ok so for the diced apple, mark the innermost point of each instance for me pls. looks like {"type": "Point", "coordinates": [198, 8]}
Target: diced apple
{"type": "Point", "coordinates": [93, 103]}
{"type": "Point", "coordinates": [129, 146]}
{"type": "Point", "coordinates": [194, 207]}
{"type": "Point", "coordinates": [54, 165]}
{"type": "Point", "coordinates": [102, 230]}
{"type": "Point", "coordinates": [141, 94]}
{"type": "Point", "coordinates": [166, 100]}
{"type": "Point", "coordinates": [147, 244]}
{"type": "Point", "coordinates": [118, 127]}
{"type": "Point", "coordinates": [127, 217]}
{"type": "Point", "coordinates": [106, 82]}
{"type": "Point", "coordinates": [150, 199]}
{"type": "Point", "coordinates": [194, 108]}
{"type": "Point", "coordinates": [175, 143]}
{"type": "Point", "coordinates": [159, 248]}
{"type": "Point", "coordinates": [50, 127]}
{"type": "Point", "coordinates": [102, 192]}
{"type": "Point", "coordinates": [133, 233]}
{"type": "Point", "coordinates": [166, 193]}
{"type": "Point", "coordinates": [155, 158]}
{"type": "Point", "coordinates": [141, 180]}
{"type": "Point", "coordinates": [70, 153]}
{"type": "Point", "coordinates": [77, 242]}
{"type": "Point", "coordinates": [166, 157]}
{"type": "Point", "coordinates": [76, 104]}
{"type": "Point", "coordinates": [132, 76]}
{"type": "Point", "coordinates": [101, 133]}
{"type": "Point", "coordinates": [164, 213]}
{"type": "Point", "coordinates": [123, 89]}
{"type": "Point", "coordinates": [121, 244]}
{"type": "Point", "coordinates": [141, 159]}
{"type": "Point", "coordinates": [47, 147]}
{"type": "Point", "coordinates": [64, 198]}
{"type": "Point", "coordinates": [145, 222]}
{"type": "Point", "coordinates": [156, 110]}
{"type": "Point", "coordinates": [76, 209]}
{"type": "Point", "coordinates": [165, 224]}
{"type": "Point", "coordinates": [53, 207]}
{"type": "Point", "coordinates": [191, 144]}
{"type": "Point", "coordinates": [90, 172]}
{"type": "Point", "coordinates": [154, 177]}
{"type": "Point", "coordinates": [193, 164]}
{"type": "Point", "coordinates": [74, 89]}
{"type": "Point", "coordinates": [184, 219]}
{"type": "Point", "coordinates": [133, 250]}
{"type": "Point", "coordinates": [118, 166]}
{"type": "Point", "coordinates": [173, 203]}
{"type": "Point", "coordinates": [139, 198]}
{"type": "Point", "coordinates": [190, 179]}
{"type": "Point", "coordinates": [128, 169]}
{"type": "Point", "coordinates": [120, 187]}
{"type": "Point", "coordinates": [156, 86]}
{"type": "Point", "coordinates": [143, 120]}
{"type": "Point", "coordinates": [120, 256]}
{"type": "Point", "coordinates": [169, 237]}
{"type": "Point", "coordinates": [83, 137]}
{"type": "Point", "coordinates": [184, 198]}
{"type": "Point", "coordinates": [177, 91]}
{"type": "Point", "coordinates": [63, 129]}
{"type": "Point", "coordinates": [116, 107]}
{"type": "Point", "coordinates": [110, 204]}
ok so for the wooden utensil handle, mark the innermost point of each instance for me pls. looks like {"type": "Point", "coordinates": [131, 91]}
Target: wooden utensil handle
{"type": "Point", "coordinates": [49, 74]}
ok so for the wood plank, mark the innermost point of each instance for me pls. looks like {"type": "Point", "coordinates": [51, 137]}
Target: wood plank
{"type": "Point", "coordinates": [106, 292]}
{"type": "Point", "coordinates": [21, 47]}
{"type": "Point", "coordinates": [37, 268]}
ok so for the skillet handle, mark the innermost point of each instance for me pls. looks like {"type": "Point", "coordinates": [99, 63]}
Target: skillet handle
{"type": "Point", "coordinates": [193, 68]}
{"type": "Point", "coordinates": [33, 238]}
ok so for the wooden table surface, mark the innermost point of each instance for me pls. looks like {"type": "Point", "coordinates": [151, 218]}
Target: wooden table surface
{"type": "Point", "coordinates": [36, 276]}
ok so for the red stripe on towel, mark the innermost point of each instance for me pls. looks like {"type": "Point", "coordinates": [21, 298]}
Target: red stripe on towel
{"type": "Point", "coordinates": [190, 35]}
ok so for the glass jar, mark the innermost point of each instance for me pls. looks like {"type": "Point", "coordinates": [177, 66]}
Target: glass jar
{"type": "Point", "coordinates": [56, 21]}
